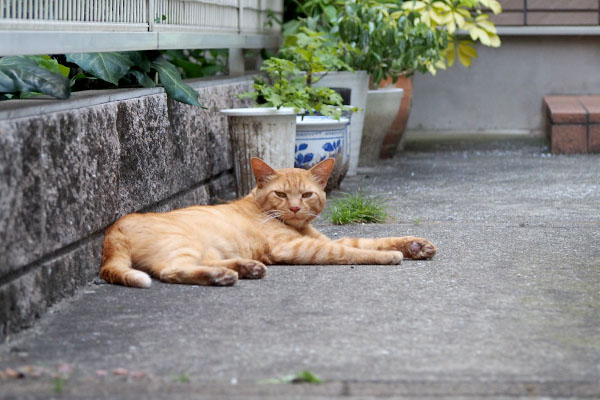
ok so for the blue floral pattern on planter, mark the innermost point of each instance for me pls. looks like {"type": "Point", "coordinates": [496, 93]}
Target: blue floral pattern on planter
{"type": "Point", "coordinates": [304, 160]}
{"type": "Point", "coordinates": [316, 143]}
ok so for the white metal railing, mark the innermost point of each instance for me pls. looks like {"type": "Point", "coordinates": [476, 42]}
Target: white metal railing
{"type": "Point", "coordinates": [61, 26]}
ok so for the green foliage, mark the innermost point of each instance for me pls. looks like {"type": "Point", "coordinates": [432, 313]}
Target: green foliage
{"type": "Point", "coordinates": [386, 46]}
{"type": "Point", "coordinates": [136, 65]}
{"type": "Point", "coordinates": [357, 208]}
{"type": "Point", "coordinates": [450, 15]}
{"type": "Point", "coordinates": [198, 63]}
{"type": "Point", "coordinates": [170, 78]}
{"type": "Point", "coordinates": [22, 77]}
{"type": "Point", "coordinates": [312, 52]}
{"type": "Point", "coordinates": [24, 74]}
{"type": "Point", "coordinates": [288, 88]}
{"type": "Point", "coordinates": [401, 37]}
{"type": "Point", "coordinates": [109, 67]}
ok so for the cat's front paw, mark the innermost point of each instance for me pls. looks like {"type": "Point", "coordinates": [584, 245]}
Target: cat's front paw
{"type": "Point", "coordinates": [251, 269]}
{"type": "Point", "coordinates": [420, 249]}
{"type": "Point", "coordinates": [393, 257]}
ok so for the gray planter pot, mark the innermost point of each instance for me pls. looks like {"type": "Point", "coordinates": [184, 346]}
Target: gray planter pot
{"type": "Point", "coordinates": [382, 107]}
{"type": "Point", "coordinates": [266, 133]}
{"type": "Point", "coordinates": [358, 83]}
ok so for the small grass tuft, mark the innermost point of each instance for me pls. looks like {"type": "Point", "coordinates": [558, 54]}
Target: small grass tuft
{"type": "Point", "coordinates": [358, 208]}
{"type": "Point", "coordinates": [304, 376]}
{"type": "Point", "coordinates": [59, 384]}
{"type": "Point", "coordinates": [184, 377]}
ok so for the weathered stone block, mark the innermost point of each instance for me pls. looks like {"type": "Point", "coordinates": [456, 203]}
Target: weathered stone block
{"type": "Point", "coordinates": [81, 154]}
{"type": "Point", "coordinates": [24, 299]}
{"type": "Point", "coordinates": [215, 124]}
{"type": "Point", "coordinates": [143, 128]}
{"type": "Point", "coordinates": [22, 217]}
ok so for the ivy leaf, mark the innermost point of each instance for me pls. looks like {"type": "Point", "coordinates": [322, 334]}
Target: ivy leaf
{"type": "Point", "coordinates": [139, 59]}
{"type": "Point", "coordinates": [143, 79]}
{"type": "Point", "coordinates": [20, 74]}
{"type": "Point", "coordinates": [50, 64]}
{"type": "Point", "coordinates": [110, 67]}
{"type": "Point", "coordinates": [170, 78]}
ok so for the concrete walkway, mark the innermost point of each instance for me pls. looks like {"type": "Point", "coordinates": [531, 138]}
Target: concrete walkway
{"type": "Point", "coordinates": [509, 307]}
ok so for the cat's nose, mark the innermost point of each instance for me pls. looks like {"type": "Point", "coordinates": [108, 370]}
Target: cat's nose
{"type": "Point", "coordinates": [294, 209]}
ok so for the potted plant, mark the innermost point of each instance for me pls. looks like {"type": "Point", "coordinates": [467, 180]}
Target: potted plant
{"type": "Point", "coordinates": [449, 15]}
{"type": "Point", "coordinates": [321, 130]}
{"type": "Point", "coordinates": [392, 41]}
{"type": "Point", "coordinates": [338, 76]}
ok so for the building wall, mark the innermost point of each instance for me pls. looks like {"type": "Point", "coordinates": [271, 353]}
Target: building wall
{"type": "Point", "coordinates": [69, 169]}
{"type": "Point", "coordinates": [502, 90]}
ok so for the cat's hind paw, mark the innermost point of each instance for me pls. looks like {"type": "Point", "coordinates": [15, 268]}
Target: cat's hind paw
{"type": "Point", "coordinates": [223, 277]}
{"type": "Point", "coordinates": [251, 269]}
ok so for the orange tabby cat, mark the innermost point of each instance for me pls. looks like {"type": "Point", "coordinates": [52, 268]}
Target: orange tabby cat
{"type": "Point", "coordinates": [216, 245]}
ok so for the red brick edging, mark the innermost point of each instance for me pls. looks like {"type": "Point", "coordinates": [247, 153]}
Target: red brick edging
{"type": "Point", "coordinates": [573, 123]}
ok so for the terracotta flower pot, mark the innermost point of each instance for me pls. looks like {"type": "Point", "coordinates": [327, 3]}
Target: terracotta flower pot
{"type": "Point", "coordinates": [394, 138]}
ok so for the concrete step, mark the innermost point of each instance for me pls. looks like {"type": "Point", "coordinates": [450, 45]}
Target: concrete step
{"type": "Point", "coordinates": [573, 123]}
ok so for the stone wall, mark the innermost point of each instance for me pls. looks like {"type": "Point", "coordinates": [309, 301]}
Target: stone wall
{"type": "Point", "coordinates": [69, 169]}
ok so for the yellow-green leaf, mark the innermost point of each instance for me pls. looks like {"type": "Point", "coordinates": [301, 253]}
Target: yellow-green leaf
{"type": "Point", "coordinates": [450, 54]}
{"type": "Point", "coordinates": [467, 48]}
{"type": "Point", "coordinates": [466, 53]}
{"type": "Point", "coordinates": [414, 5]}
{"type": "Point", "coordinates": [494, 41]}
{"type": "Point", "coordinates": [488, 26]}
{"type": "Point", "coordinates": [495, 7]}
{"type": "Point", "coordinates": [460, 20]}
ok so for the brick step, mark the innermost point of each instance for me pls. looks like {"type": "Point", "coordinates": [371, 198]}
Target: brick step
{"type": "Point", "coordinates": [573, 123]}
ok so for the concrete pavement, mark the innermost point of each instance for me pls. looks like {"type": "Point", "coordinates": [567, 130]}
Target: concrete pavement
{"type": "Point", "coordinates": [510, 306]}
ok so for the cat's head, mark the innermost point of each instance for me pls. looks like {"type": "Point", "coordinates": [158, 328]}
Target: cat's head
{"type": "Point", "coordinates": [293, 195]}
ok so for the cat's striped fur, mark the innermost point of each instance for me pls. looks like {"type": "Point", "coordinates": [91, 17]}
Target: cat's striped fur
{"type": "Point", "coordinates": [216, 245]}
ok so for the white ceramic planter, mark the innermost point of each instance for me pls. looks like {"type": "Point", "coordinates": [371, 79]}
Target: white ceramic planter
{"type": "Point", "coordinates": [319, 137]}
{"type": "Point", "coordinates": [265, 133]}
{"type": "Point", "coordinates": [382, 107]}
{"type": "Point", "coordinates": [358, 83]}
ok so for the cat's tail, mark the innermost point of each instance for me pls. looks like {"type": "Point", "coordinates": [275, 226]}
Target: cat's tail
{"type": "Point", "coordinates": [116, 261]}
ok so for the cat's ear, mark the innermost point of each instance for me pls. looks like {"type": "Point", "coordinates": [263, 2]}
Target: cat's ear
{"type": "Point", "coordinates": [262, 171]}
{"type": "Point", "coordinates": [321, 171]}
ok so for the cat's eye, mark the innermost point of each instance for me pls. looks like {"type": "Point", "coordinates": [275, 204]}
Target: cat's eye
{"type": "Point", "coordinates": [281, 195]}
{"type": "Point", "coordinates": [306, 195]}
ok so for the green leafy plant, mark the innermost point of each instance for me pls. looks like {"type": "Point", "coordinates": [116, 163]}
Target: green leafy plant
{"type": "Point", "coordinates": [450, 15]}
{"type": "Point", "coordinates": [198, 63]}
{"type": "Point", "coordinates": [357, 208]}
{"type": "Point", "coordinates": [136, 66]}
{"type": "Point", "coordinates": [312, 52]}
{"type": "Point", "coordinates": [401, 37]}
{"type": "Point", "coordinates": [58, 76]}
{"type": "Point", "coordinates": [287, 87]}
{"type": "Point", "coordinates": [21, 75]}
{"type": "Point", "coordinates": [387, 44]}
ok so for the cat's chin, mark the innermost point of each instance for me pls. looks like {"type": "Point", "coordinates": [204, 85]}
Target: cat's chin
{"type": "Point", "coordinates": [296, 222]}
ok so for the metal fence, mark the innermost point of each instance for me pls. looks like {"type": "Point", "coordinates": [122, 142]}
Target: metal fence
{"type": "Point", "coordinates": [549, 13]}
{"type": "Point", "coordinates": [61, 26]}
